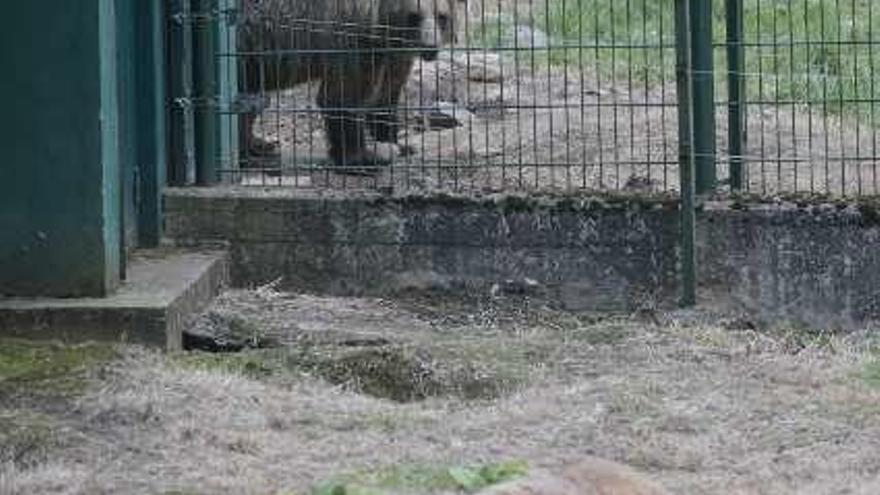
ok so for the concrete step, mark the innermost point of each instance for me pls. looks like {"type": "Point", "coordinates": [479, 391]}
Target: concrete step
{"type": "Point", "coordinates": [164, 288]}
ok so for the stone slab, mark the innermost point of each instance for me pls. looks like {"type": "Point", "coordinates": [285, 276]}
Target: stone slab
{"type": "Point", "coordinates": [163, 289]}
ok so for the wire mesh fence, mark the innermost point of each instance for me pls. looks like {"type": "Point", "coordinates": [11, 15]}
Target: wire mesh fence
{"type": "Point", "coordinates": [809, 94]}
{"type": "Point", "coordinates": [532, 95]}
{"type": "Point", "coordinates": [503, 95]}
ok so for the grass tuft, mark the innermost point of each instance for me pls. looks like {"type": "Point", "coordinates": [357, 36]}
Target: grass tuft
{"type": "Point", "coordinates": [35, 367]}
{"type": "Point", "coordinates": [423, 479]}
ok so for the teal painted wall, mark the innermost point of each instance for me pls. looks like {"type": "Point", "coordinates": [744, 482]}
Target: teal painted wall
{"type": "Point", "coordinates": [152, 116]}
{"type": "Point", "coordinates": [59, 179]}
{"type": "Point", "coordinates": [127, 130]}
{"type": "Point", "coordinates": [112, 213]}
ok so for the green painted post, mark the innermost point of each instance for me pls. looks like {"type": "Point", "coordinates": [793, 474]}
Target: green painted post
{"type": "Point", "coordinates": [151, 135]}
{"type": "Point", "coordinates": [181, 135]}
{"type": "Point", "coordinates": [205, 85]}
{"type": "Point", "coordinates": [227, 85]}
{"type": "Point", "coordinates": [686, 158]}
{"type": "Point", "coordinates": [59, 191]}
{"type": "Point", "coordinates": [703, 96]}
{"type": "Point", "coordinates": [127, 130]}
{"type": "Point", "coordinates": [736, 127]}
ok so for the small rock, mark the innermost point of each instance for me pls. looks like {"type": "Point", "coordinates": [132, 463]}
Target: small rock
{"type": "Point", "coordinates": [224, 332]}
{"type": "Point", "coordinates": [520, 287]}
{"type": "Point", "coordinates": [482, 67]}
{"type": "Point", "coordinates": [445, 116]}
{"type": "Point", "coordinates": [638, 183]}
{"type": "Point", "coordinates": [738, 323]}
{"type": "Point", "coordinates": [525, 37]}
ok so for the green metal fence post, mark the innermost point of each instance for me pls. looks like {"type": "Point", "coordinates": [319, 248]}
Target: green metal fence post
{"type": "Point", "coordinates": [205, 85]}
{"type": "Point", "coordinates": [227, 85]}
{"type": "Point", "coordinates": [151, 124]}
{"type": "Point", "coordinates": [703, 96]}
{"type": "Point", "coordinates": [687, 163]}
{"type": "Point", "coordinates": [736, 130]}
{"type": "Point", "coordinates": [181, 135]}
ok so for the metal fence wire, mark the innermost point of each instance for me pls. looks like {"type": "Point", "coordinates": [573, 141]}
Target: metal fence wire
{"type": "Point", "coordinates": [545, 95]}
{"type": "Point", "coordinates": [805, 69]}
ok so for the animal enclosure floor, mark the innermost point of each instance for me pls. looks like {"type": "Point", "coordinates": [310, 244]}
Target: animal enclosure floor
{"type": "Point", "coordinates": [702, 403]}
{"type": "Point", "coordinates": [558, 129]}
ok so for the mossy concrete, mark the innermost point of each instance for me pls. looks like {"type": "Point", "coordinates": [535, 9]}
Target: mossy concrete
{"type": "Point", "coordinates": [809, 262]}
{"type": "Point", "coordinates": [590, 252]}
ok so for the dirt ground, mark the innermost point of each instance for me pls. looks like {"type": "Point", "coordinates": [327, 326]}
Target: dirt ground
{"type": "Point", "coordinates": [521, 127]}
{"type": "Point", "coordinates": [704, 403]}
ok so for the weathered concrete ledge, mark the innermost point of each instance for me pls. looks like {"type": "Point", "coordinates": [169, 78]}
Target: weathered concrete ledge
{"type": "Point", "coordinates": [589, 252]}
{"type": "Point", "coordinates": [812, 264]}
{"type": "Point", "coordinates": [815, 264]}
{"type": "Point", "coordinates": [164, 288]}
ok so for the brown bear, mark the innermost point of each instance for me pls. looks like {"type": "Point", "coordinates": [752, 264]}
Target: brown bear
{"type": "Point", "coordinates": [361, 51]}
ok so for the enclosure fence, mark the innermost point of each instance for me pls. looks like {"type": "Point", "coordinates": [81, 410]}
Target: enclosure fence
{"type": "Point", "coordinates": [762, 96]}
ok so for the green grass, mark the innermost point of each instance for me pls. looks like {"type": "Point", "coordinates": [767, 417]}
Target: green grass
{"type": "Point", "coordinates": [422, 479]}
{"type": "Point", "coordinates": [817, 51]}
{"type": "Point", "coordinates": [45, 367]}
{"type": "Point", "coordinates": [44, 373]}
{"type": "Point", "coordinates": [253, 364]}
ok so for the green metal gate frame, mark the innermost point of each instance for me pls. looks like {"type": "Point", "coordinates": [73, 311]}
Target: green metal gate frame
{"type": "Point", "coordinates": [687, 161]}
{"type": "Point", "coordinates": [200, 139]}
{"type": "Point", "coordinates": [695, 77]}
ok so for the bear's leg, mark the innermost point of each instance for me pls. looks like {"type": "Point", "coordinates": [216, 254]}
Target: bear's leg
{"type": "Point", "coordinates": [342, 97]}
{"type": "Point", "coordinates": [251, 145]}
{"type": "Point", "coordinates": [384, 120]}
{"type": "Point", "coordinates": [254, 151]}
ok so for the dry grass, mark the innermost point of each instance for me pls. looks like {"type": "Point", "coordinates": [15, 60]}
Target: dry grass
{"type": "Point", "coordinates": [703, 409]}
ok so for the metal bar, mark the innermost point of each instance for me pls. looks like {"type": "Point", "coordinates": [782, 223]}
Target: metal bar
{"type": "Point", "coordinates": [736, 129]}
{"type": "Point", "coordinates": [126, 136]}
{"type": "Point", "coordinates": [687, 162]}
{"type": "Point", "coordinates": [703, 96]}
{"type": "Point", "coordinates": [151, 137]}
{"type": "Point", "coordinates": [227, 86]}
{"type": "Point", "coordinates": [205, 86]}
{"type": "Point", "coordinates": [181, 136]}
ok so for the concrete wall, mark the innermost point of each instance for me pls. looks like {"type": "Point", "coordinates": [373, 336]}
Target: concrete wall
{"type": "Point", "coordinates": [813, 265]}
{"type": "Point", "coordinates": [585, 253]}
{"type": "Point", "coordinates": [816, 265]}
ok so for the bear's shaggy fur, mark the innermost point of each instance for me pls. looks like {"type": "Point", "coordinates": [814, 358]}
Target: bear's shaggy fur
{"type": "Point", "coordinates": [361, 51]}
